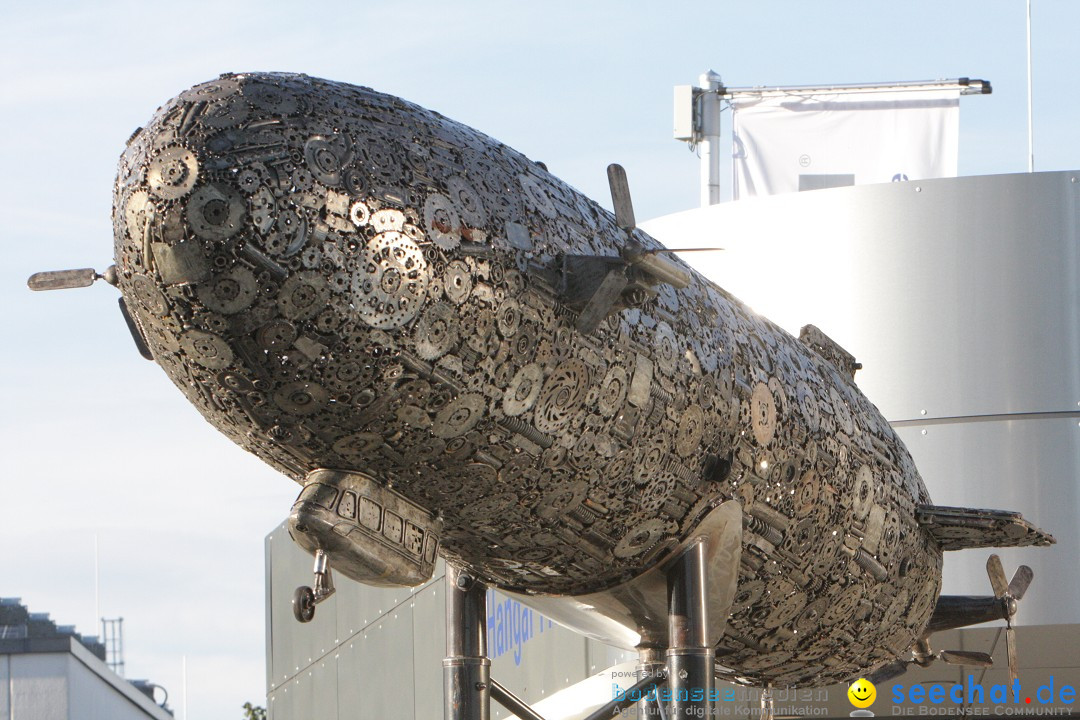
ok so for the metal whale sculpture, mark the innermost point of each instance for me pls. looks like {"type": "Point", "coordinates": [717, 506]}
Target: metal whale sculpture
{"type": "Point", "coordinates": [461, 354]}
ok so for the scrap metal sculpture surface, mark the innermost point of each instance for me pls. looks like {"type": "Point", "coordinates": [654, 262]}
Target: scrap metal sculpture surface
{"type": "Point", "coordinates": [340, 279]}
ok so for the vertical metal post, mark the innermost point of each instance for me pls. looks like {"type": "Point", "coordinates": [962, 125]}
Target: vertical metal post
{"type": "Point", "coordinates": [690, 657]}
{"type": "Point", "coordinates": [650, 665]}
{"type": "Point", "coordinates": [1031, 127]}
{"type": "Point", "coordinates": [183, 687]}
{"type": "Point", "coordinates": [466, 669]}
{"type": "Point", "coordinates": [767, 708]}
{"type": "Point", "coordinates": [97, 586]}
{"type": "Point", "coordinates": [709, 142]}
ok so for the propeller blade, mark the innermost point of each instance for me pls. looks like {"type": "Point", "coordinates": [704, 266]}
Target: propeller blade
{"type": "Point", "coordinates": [136, 333]}
{"type": "Point", "coordinates": [1020, 581]}
{"type": "Point", "coordinates": [601, 302]}
{"type": "Point", "coordinates": [62, 279]}
{"type": "Point", "coordinates": [997, 576]}
{"type": "Point", "coordinates": [1010, 647]}
{"type": "Point", "coordinates": [620, 197]}
{"type": "Point", "coordinates": [966, 657]}
{"type": "Point", "coordinates": [888, 672]}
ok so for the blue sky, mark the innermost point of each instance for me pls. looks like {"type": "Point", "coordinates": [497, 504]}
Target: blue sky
{"type": "Point", "coordinates": [97, 442]}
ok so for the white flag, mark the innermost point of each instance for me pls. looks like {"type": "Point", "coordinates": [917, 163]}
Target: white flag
{"type": "Point", "coordinates": [794, 142]}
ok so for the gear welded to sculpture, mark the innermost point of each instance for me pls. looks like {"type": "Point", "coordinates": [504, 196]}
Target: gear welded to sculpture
{"type": "Point", "coordinates": [339, 279]}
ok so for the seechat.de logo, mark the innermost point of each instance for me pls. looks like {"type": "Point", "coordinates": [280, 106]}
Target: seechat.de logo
{"type": "Point", "coordinates": [972, 693]}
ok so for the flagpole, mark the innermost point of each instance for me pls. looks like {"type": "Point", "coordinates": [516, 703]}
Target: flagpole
{"type": "Point", "coordinates": [1031, 143]}
{"type": "Point", "coordinates": [97, 589]}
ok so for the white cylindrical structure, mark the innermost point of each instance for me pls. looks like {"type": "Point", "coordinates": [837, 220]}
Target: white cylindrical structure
{"type": "Point", "coordinates": [961, 297]}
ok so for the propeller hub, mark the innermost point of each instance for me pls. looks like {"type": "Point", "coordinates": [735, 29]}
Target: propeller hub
{"type": "Point", "coordinates": [1010, 607]}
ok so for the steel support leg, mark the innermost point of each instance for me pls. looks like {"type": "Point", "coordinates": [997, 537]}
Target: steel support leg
{"type": "Point", "coordinates": [466, 669]}
{"type": "Point", "coordinates": [690, 657]}
{"type": "Point", "coordinates": [767, 707]}
{"type": "Point", "coordinates": [650, 665]}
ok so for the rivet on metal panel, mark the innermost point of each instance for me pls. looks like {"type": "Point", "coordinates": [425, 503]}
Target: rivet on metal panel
{"type": "Point", "coordinates": [922, 412]}
{"type": "Point", "coordinates": [918, 189]}
{"type": "Point", "coordinates": [923, 432]}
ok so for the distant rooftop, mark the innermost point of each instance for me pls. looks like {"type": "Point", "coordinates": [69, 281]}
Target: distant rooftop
{"type": "Point", "coordinates": [18, 623]}
{"type": "Point", "coordinates": [22, 631]}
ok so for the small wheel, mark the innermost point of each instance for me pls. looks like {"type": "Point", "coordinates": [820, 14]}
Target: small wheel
{"type": "Point", "coordinates": [303, 604]}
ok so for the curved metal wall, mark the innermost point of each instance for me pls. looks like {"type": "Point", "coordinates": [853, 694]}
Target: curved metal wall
{"type": "Point", "coordinates": [961, 297]}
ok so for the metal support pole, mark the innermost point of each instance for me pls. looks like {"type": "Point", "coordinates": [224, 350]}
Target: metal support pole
{"type": "Point", "coordinates": [466, 669]}
{"type": "Point", "coordinates": [690, 657]}
{"type": "Point", "coordinates": [767, 707]}
{"type": "Point", "coordinates": [709, 143]}
{"type": "Point", "coordinates": [513, 703]}
{"type": "Point", "coordinates": [650, 665]}
{"type": "Point", "coordinates": [1031, 127]}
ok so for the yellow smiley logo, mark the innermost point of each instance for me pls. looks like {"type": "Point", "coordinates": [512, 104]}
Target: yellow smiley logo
{"type": "Point", "coordinates": [862, 693]}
